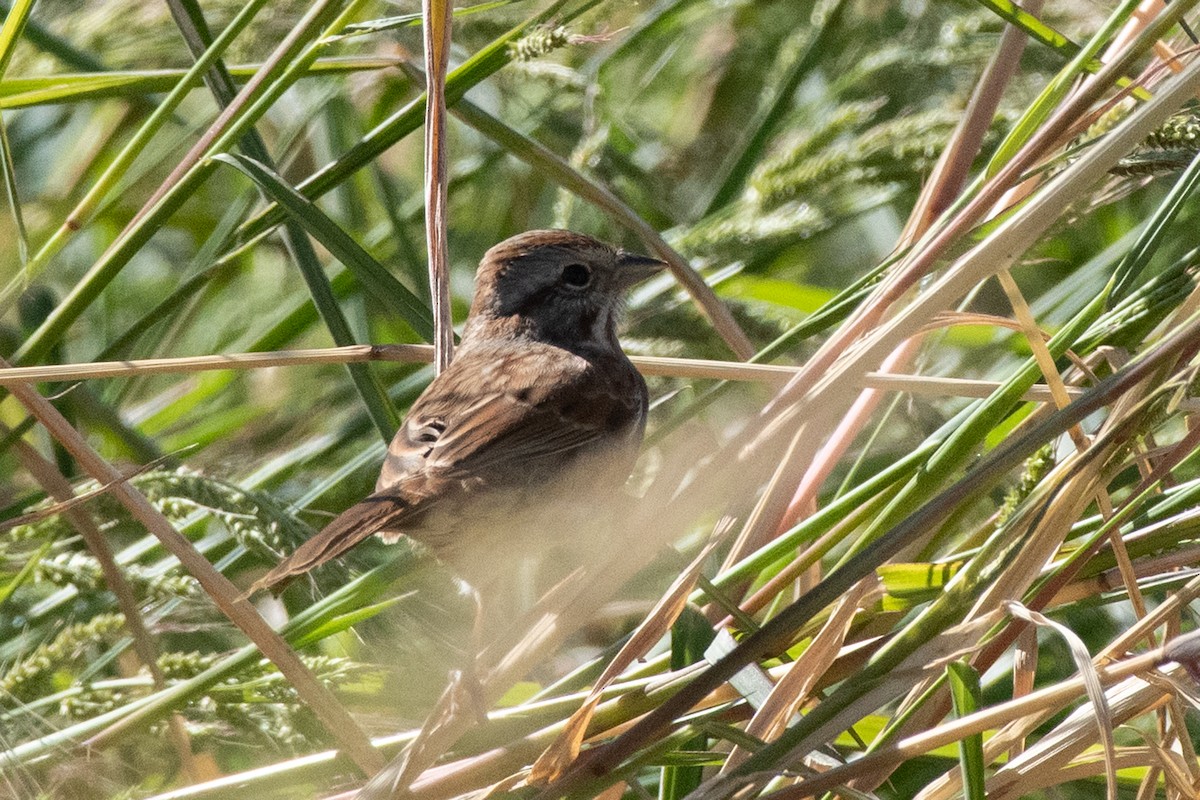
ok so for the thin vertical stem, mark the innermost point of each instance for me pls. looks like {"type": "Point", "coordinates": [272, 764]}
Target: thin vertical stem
{"type": "Point", "coordinates": [437, 21]}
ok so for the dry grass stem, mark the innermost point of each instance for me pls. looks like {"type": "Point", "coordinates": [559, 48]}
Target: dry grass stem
{"type": "Point", "coordinates": [68, 504]}
{"type": "Point", "coordinates": [820, 392]}
{"type": "Point", "coordinates": [656, 366]}
{"type": "Point", "coordinates": [950, 174]}
{"type": "Point", "coordinates": [436, 25]}
{"type": "Point", "coordinates": [1099, 702]}
{"type": "Point", "coordinates": [1050, 697]}
{"type": "Point", "coordinates": [1002, 248]}
{"type": "Point", "coordinates": [946, 182]}
{"type": "Point", "coordinates": [794, 687]}
{"type": "Point", "coordinates": [219, 588]}
{"type": "Point", "coordinates": [842, 574]}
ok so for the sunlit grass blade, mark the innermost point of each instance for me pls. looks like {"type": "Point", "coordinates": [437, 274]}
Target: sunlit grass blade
{"type": "Point", "coordinates": [1057, 89]}
{"type": "Point", "coordinates": [14, 201]}
{"type": "Point", "coordinates": [964, 688]}
{"type": "Point", "coordinates": [1047, 35]}
{"type": "Point", "coordinates": [120, 165]}
{"type": "Point", "coordinates": [373, 275]}
{"type": "Point", "coordinates": [412, 20]}
{"type": "Point", "coordinates": [10, 32]}
{"type": "Point", "coordinates": [66, 88]}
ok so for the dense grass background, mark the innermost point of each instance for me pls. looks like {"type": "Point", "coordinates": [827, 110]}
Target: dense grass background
{"type": "Point", "coordinates": [1001, 213]}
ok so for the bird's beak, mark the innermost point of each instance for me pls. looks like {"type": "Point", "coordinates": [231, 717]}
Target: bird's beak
{"type": "Point", "coordinates": [634, 268]}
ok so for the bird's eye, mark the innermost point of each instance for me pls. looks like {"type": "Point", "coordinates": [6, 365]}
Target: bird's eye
{"type": "Point", "coordinates": [430, 431]}
{"type": "Point", "coordinates": [576, 275]}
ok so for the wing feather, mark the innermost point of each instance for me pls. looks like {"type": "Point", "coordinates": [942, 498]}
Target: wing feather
{"type": "Point", "coordinates": [355, 524]}
{"type": "Point", "coordinates": [497, 431]}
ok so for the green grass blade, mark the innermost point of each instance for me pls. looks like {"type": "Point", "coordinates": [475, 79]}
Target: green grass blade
{"type": "Point", "coordinates": [47, 41]}
{"type": "Point", "coordinates": [765, 123]}
{"type": "Point", "coordinates": [6, 591]}
{"type": "Point", "coordinates": [10, 32]}
{"type": "Point", "coordinates": [474, 70]}
{"type": "Point", "coordinates": [690, 637]}
{"type": "Point", "coordinates": [967, 697]}
{"type": "Point", "coordinates": [190, 19]}
{"type": "Point", "coordinates": [413, 20]}
{"type": "Point", "coordinates": [1036, 29]}
{"type": "Point", "coordinates": [14, 201]}
{"type": "Point", "coordinates": [1045, 34]}
{"type": "Point", "coordinates": [1039, 111]}
{"type": "Point", "coordinates": [284, 66]}
{"type": "Point", "coordinates": [1154, 233]}
{"type": "Point", "coordinates": [373, 275]}
{"type": "Point", "coordinates": [83, 211]}
{"type": "Point", "coordinates": [77, 87]}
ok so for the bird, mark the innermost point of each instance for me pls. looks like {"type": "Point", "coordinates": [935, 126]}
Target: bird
{"type": "Point", "coordinates": [534, 425]}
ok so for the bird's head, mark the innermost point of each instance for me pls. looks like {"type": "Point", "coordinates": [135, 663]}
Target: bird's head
{"type": "Point", "coordinates": [557, 286]}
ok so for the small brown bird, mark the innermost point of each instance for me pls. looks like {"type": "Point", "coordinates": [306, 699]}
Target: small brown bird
{"type": "Point", "coordinates": [538, 418]}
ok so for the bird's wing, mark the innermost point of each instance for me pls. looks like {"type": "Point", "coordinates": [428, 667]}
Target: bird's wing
{"type": "Point", "coordinates": [538, 412]}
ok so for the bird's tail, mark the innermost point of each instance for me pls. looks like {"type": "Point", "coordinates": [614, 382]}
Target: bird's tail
{"type": "Point", "coordinates": [354, 525]}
